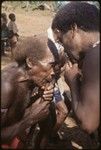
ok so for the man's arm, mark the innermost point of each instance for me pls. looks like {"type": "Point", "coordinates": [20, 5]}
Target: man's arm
{"type": "Point", "coordinates": [38, 111]}
{"type": "Point", "coordinates": [85, 96]}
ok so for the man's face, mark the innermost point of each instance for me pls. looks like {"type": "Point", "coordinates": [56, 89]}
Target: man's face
{"type": "Point", "coordinates": [70, 40]}
{"type": "Point", "coordinates": [44, 72]}
{"type": "Point", "coordinates": [13, 18]}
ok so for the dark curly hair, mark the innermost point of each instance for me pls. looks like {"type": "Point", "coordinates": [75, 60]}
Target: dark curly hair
{"type": "Point", "coordinates": [32, 47]}
{"type": "Point", "coordinates": [85, 15]}
{"type": "Point", "coordinates": [11, 16]}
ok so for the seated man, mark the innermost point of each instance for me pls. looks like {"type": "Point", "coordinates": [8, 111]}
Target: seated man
{"type": "Point", "coordinates": [19, 108]}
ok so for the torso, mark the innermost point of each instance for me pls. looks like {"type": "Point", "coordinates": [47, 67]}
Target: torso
{"type": "Point", "coordinates": [14, 95]}
{"type": "Point", "coordinates": [90, 56]}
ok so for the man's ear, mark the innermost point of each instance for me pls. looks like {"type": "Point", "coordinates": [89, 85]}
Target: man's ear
{"type": "Point", "coordinates": [74, 30]}
{"type": "Point", "coordinates": [29, 62]}
{"type": "Point", "coordinates": [57, 32]}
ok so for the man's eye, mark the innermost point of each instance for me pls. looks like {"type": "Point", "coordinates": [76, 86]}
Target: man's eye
{"type": "Point", "coordinates": [57, 68]}
{"type": "Point", "coordinates": [53, 65]}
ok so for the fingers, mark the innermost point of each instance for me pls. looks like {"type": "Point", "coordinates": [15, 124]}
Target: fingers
{"type": "Point", "coordinates": [67, 67]}
{"type": "Point", "coordinates": [48, 97]}
{"type": "Point", "coordinates": [50, 87]}
{"type": "Point", "coordinates": [48, 92]}
{"type": "Point", "coordinates": [75, 65]}
{"type": "Point", "coordinates": [69, 64]}
{"type": "Point", "coordinates": [63, 69]}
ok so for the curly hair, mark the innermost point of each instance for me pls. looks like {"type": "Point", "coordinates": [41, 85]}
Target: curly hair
{"type": "Point", "coordinates": [11, 16]}
{"type": "Point", "coordinates": [30, 47]}
{"type": "Point", "coordinates": [85, 15]}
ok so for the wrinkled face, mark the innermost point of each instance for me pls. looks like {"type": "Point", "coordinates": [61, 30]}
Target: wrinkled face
{"type": "Point", "coordinates": [44, 72]}
{"type": "Point", "coordinates": [70, 40]}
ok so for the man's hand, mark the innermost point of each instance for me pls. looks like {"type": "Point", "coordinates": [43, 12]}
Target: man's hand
{"type": "Point", "coordinates": [36, 112]}
{"type": "Point", "coordinates": [71, 73]}
{"type": "Point", "coordinates": [48, 92]}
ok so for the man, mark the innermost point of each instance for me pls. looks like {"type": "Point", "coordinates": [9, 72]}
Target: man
{"type": "Point", "coordinates": [4, 33]}
{"type": "Point", "coordinates": [26, 90]}
{"type": "Point", "coordinates": [51, 126]}
{"type": "Point", "coordinates": [23, 54]}
{"type": "Point", "coordinates": [76, 27]}
{"type": "Point", "coordinates": [12, 25]}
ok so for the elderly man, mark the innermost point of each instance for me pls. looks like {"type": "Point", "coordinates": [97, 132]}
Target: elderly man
{"type": "Point", "coordinates": [19, 82]}
{"type": "Point", "coordinates": [27, 87]}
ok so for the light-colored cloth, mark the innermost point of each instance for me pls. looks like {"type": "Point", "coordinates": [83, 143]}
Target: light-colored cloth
{"type": "Point", "coordinates": [51, 37]}
{"type": "Point", "coordinates": [57, 94]}
{"type": "Point", "coordinates": [12, 27]}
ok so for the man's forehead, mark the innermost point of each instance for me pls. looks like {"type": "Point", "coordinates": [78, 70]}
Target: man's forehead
{"type": "Point", "coordinates": [49, 58]}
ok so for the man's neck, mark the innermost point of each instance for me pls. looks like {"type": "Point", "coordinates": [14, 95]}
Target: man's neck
{"type": "Point", "coordinates": [95, 37]}
{"type": "Point", "coordinates": [90, 40]}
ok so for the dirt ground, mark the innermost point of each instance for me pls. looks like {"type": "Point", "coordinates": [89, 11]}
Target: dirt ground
{"type": "Point", "coordinates": [30, 23]}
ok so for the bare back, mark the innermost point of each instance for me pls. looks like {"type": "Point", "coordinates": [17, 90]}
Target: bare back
{"type": "Point", "coordinates": [13, 94]}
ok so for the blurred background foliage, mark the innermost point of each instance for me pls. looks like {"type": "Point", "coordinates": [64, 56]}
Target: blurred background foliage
{"type": "Point", "coordinates": [32, 5]}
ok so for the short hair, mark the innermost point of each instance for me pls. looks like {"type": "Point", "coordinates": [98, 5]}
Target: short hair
{"type": "Point", "coordinates": [11, 15]}
{"type": "Point", "coordinates": [4, 17]}
{"type": "Point", "coordinates": [30, 47]}
{"type": "Point", "coordinates": [85, 15]}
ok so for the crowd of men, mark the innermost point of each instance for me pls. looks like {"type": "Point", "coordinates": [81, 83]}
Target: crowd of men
{"type": "Point", "coordinates": [30, 94]}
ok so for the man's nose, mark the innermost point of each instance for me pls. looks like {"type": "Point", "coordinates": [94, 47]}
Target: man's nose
{"type": "Point", "coordinates": [52, 73]}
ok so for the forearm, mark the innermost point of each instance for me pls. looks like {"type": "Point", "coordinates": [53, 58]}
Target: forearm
{"type": "Point", "coordinates": [76, 100]}
{"type": "Point", "coordinates": [61, 115]}
{"type": "Point", "coordinates": [8, 133]}
{"type": "Point", "coordinates": [59, 121]}
{"type": "Point", "coordinates": [75, 95]}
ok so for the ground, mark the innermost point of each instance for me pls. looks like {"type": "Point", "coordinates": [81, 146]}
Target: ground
{"type": "Point", "coordinates": [30, 23]}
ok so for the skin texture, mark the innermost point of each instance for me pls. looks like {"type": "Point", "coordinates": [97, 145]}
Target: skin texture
{"type": "Point", "coordinates": [84, 89]}
{"type": "Point", "coordinates": [16, 91]}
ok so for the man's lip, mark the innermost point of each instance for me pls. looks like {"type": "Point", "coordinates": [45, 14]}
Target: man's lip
{"type": "Point", "coordinates": [50, 80]}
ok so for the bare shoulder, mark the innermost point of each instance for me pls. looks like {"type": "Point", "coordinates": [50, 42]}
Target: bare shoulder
{"type": "Point", "coordinates": [8, 75]}
{"type": "Point", "coordinates": [91, 64]}
{"type": "Point", "coordinates": [8, 72]}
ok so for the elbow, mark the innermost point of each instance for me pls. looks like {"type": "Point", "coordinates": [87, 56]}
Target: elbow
{"type": "Point", "coordinates": [61, 110]}
{"type": "Point", "coordinates": [89, 127]}
{"type": "Point", "coordinates": [64, 113]}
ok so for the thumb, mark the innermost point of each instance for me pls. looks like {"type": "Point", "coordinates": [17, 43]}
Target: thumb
{"type": "Point", "coordinates": [75, 65]}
